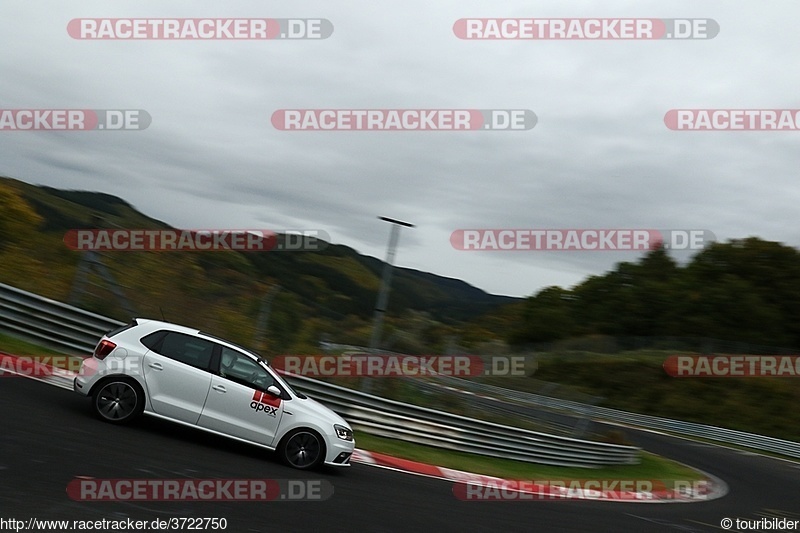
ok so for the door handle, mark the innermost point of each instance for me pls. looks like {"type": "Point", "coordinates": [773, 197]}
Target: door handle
{"type": "Point", "coordinates": [157, 366]}
{"type": "Point", "coordinates": [219, 388]}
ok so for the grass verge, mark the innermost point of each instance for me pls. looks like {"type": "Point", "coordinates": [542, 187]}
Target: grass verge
{"type": "Point", "coordinates": [15, 346]}
{"type": "Point", "coordinates": [651, 467]}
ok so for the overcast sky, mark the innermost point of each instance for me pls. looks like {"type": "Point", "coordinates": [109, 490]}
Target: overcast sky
{"type": "Point", "coordinates": [600, 155]}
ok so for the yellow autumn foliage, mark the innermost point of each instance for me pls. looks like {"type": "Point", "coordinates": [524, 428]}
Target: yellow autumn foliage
{"type": "Point", "coordinates": [18, 221]}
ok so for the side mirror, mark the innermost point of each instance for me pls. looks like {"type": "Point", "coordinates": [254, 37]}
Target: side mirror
{"type": "Point", "coordinates": [275, 391]}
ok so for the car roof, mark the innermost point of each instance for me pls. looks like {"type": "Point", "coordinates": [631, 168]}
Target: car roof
{"type": "Point", "coordinates": [160, 324]}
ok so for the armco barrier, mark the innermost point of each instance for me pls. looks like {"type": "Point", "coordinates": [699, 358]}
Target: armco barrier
{"type": "Point", "coordinates": [69, 329]}
{"type": "Point", "coordinates": [389, 418]}
{"type": "Point", "coordinates": [72, 329]}
{"type": "Point", "coordinates": [51, 323]}
{"type": "Point", "coordinates": [677, 427]}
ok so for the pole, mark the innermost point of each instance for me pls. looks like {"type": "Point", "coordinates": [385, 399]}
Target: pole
{"type": "Point", "coordinates": [383, 294]}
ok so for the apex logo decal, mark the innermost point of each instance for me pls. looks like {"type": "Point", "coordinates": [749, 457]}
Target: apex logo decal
{"type": "Point", "coordinates": [264, 401]}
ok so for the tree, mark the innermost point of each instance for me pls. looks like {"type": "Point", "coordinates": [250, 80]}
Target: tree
{"type": "Point", "coordinates": [545, 317]}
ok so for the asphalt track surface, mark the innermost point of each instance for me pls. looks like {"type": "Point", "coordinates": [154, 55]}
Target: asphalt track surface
{"type": "Point", "coordinates": [49, 436]}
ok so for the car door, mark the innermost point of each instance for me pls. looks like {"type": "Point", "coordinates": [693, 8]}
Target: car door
{"type": "Point", "coordinates": [238, 403]}
{"type": "Point", "coordinates": [177, 371]}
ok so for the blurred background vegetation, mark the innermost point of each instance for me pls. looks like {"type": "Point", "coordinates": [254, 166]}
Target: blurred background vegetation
{"type": "Point", "coordinates": [606, 337]}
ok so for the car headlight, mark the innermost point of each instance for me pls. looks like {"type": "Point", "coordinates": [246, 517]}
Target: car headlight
{"type": "Point", "coordinates": [343, 433]}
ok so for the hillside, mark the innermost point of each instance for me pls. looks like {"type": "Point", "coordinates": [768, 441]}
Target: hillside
{"type": "Point", "coordinates": [328, 293]}
{"type": "Point", "coordinates": [736, 297]}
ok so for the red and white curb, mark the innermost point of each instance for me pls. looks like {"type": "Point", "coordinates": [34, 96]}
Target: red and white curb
{"type": "Point", "coordinates": [475, 487]}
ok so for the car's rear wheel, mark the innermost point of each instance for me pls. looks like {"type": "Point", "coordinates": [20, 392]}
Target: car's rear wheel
{"type": "Point", "coordinates": [118, 400]}
{"type": "Point", "coordinates": [302, 448]}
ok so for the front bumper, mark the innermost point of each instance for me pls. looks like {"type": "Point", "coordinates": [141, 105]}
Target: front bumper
{"type": "Point", "coordinates": [339, 453]}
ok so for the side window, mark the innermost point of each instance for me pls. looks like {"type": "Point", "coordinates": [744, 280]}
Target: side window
{"type": "Point", "coordinates": [153, 340]}
{"type": "Point", "coordinates": [185, 348]}
{"type": "Point", "coordinates": [243, 370]}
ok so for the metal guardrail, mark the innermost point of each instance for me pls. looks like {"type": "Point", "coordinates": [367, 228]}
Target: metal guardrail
{"type": "Point", "coordinates": [71, 329]}
{"type": "Point", "coordinates": [691, 429]}
{"type": "Point", "coordinates": [678, 427]}
{"type": "Point", "coordinates": [54, 324]}
{"type": "Point", "coordinates": [390, 418]}
{"type": "Point", "coordinates": [502, 410]}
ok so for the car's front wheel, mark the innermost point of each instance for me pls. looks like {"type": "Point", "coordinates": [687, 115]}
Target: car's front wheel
{"type": "Point", "coordinates": [118, 401]}
{"type": "Point", "coordinates": [302, 448]}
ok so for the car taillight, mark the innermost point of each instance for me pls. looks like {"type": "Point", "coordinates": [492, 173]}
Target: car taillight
{"type": "Point", "coordinates": [103, 349]}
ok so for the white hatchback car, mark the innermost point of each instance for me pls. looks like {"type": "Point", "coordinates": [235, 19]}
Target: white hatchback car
{"type": "Point", "coordinates": [198, 380]}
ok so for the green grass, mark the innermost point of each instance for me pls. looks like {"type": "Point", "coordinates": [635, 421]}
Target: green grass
{"type": "Point", "coordinates": [16, 346]}
{"type": "Point", "coordinates": [651, 467]}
